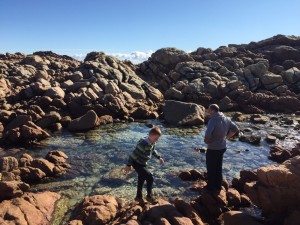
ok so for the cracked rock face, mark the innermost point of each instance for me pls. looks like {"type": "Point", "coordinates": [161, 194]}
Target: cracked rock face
{"type": "Point", "coordinates": [276, 191]}
{"type": "Point", "coordinates": [29, 209]}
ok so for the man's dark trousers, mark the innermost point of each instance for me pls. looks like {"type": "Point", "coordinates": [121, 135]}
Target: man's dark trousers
{"type": "Point", "coordinates": [214, 162]}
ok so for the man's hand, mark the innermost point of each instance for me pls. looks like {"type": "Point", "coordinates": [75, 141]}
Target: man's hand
{"type": "Point", "coordinates": [230, 135]}
{"type": "Point", "coordinates": [161, 161]}
{"type": "Point", "coordinates": [127, 169]}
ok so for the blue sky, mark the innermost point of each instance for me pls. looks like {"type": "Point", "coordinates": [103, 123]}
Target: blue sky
{"type": "Point", "coordinates": [125, 26]}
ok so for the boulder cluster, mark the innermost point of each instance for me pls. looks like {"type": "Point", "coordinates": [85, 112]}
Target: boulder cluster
{"type": "Point", "coordinates": [276, 192]}
{"type": "Point", "coordinates": [17, 205]}
{"type": "Point", "coordinates": [101, 209]}
{"type": "Point", "coordinates": [44, 92]}
{"type": "Point", "coordinates": [259, 76]}
{"type": "Point", "coordinates": [16, 175]}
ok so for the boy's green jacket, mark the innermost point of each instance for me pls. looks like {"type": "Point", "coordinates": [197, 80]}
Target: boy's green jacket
{"type": "Point", "coordinates": [143, 152]}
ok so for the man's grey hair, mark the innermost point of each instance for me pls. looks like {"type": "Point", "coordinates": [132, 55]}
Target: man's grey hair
{"type": "Point", "coordinates": [214, 107]}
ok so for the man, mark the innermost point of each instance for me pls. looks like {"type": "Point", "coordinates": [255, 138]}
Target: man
{"type": "Point", "coordinates": [219, 129]}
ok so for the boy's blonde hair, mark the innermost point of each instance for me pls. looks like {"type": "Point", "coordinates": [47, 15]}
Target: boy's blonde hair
{"type": "Point", "coordinates": [155, 131]}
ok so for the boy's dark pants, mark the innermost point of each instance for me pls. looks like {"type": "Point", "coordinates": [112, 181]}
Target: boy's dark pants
{"type": "Point", "coordinates": [143, 175]}
{"type": "Point", "coordinates": [214, 161]}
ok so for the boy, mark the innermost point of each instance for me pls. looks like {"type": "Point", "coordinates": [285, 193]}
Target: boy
{"type": "Point", "coordinates": [145, 148]}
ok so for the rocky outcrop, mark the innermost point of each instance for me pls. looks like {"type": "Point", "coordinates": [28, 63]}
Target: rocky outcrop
{"type": "Point", "coordinates": [211, 204]}
{"type": "Point", "coordinates": [29, 209]}
{"type": "Point", "coordinates": [35, 169]}
{"type": "Point", "coordinates": [261, 76]}
{"type": "Point", "coordinates": [32, 170]}
{"type": "Point", "coordinates": [276, 191]}
{"type": "Point", "coordinates": [183, 114]}
{"type": "Point", "coordinates": [100, 209]}
{"type": "Point", "coordinates": [39, 92]}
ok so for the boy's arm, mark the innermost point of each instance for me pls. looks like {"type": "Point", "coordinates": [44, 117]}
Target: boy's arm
{"type": "Point", "coordinates": [155, 153]}
{"type": "Point", "coordinates": [129, 162]}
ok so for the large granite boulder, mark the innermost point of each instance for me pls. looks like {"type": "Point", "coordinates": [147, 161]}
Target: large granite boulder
{"type": "Point", "coordinates": [85, 122]}
{"type": "Point", "coordinates": [12, 189]}
{"type": "Point", "coordinates": [29, 209]}
{"type": "Point", "coordinates": [237, 217]}
{"type": "Point", "coordinates": [97, 210]}
{"type": "Point", "coordinates": [183, 114]}
{"type": "Point", "coordinates": [277, 190]}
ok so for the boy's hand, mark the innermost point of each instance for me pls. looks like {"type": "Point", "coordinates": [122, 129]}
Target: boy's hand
{"type": "Point", "coordinates": [161, 161]}
{"type": "Point", "coordinates": [127, 169]}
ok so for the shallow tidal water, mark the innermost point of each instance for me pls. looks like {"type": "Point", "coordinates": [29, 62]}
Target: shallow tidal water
{"type": "Point", "coordinates": [97, 157]}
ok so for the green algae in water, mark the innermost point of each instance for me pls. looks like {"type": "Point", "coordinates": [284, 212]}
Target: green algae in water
{"type": "Point", "coordinates": [97, 156]}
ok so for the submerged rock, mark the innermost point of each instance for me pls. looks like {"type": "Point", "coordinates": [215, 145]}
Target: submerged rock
{"type": "Point", "coordinates": [280, 154]}
{"type": "Point", "coordinates": [251, 139]}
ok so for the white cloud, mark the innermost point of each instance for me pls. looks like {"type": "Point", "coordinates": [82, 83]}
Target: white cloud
{"type": "Point", "coordinates": [135, 57]}
{"type": "Point", "coordinates": [79, 57]}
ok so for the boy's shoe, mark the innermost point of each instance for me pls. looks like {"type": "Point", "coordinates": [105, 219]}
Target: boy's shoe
{"type": "Point", "coordinates": [139, 199]}
{"type": "Point", "coordinates": [151, 199]}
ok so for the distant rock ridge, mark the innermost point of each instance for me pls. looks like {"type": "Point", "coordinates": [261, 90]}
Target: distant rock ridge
{"type": "Point", "coordinates": [261, 75]}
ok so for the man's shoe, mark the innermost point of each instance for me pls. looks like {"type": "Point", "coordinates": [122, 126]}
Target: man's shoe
{"type": "Point", "coordinates": [151, 199]}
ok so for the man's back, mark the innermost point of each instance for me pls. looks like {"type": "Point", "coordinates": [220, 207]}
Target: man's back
{"type": "Point", "coordinates": [217, 129]}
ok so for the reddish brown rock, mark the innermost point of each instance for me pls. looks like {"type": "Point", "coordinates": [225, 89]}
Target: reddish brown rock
{"type": "Point", "coordinates": [25, 160]}
{"type": "Point", "coordinates": [237, 218]}
{"type": "Point", "coordinates": [30, 174]}
{"type": "Point", "coordinates": [44, 165]}
{"type": "Point", "coordinates": [75, 222]}
{"type": "Point", "coordinates": [30, 209]}
{"type": "Point", "coordinates": [8, 163]}
{"type": "Point", "coordinates": [233, 197]}
{"type": "Point", "coordinates": [106, 119]}
{"type": "Point", "coordinates": [185, 175]}
{"type": "Point", "coordinates": [12, 189]}
{"type": "Point", "coordinates": [277, 190]}
{"type": "Point", "coordinates": [162, 221]}
{"type": "Point", "coordinates": [97, 210]}
{"type": "Point", "coordinates": [87, 121]}
{"type": "Point", "coordinates": [188, 211]}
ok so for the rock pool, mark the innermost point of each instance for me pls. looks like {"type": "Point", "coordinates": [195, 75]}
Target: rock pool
{"type": "Point", "coordinates": [97, 157]}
